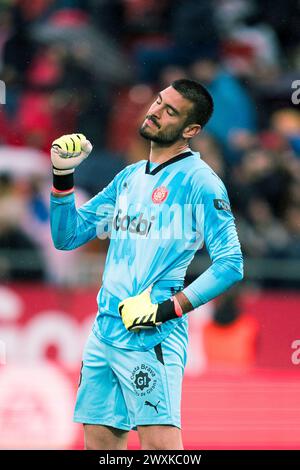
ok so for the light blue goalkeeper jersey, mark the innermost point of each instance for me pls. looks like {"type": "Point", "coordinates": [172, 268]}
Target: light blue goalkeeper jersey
{"type": "Point", "coordinates": [157, 217]}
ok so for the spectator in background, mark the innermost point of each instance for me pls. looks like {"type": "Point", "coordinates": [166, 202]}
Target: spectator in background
{"type": "Point", "coordinates": [17, 53]}
{"type": "Point", "coordinates": [47, 104]}
{"type": "Point", "coordinates": [191, 29]}
{"type": "Point", "coordinates": [286, 122]}
{"type": "Point", "coordinates": [261, 233]}
{"type": "Point", "coordinates": [211, 152]}
{"type": "Point", "coordinates": [20, 258]}
{"type": "Point", "coordinates": [260, 173]}
{"type": "Point", "coordinates": [234, 111]}
{"type": "Point", "coordinates": [283, 17]}
{"type": "Point", "coordinates": [290, 250]}
{"type": "Point", "coordinates": [292, 223]}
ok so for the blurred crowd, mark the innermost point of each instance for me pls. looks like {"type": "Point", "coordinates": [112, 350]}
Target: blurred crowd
{"type": "Point", "coordinates": [96, 65]}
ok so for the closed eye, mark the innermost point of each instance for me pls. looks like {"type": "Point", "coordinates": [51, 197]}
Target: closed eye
{"type": "Point", "coordinates": [170, 112]}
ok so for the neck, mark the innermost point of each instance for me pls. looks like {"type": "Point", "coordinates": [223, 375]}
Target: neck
{"type": "Point", "coordinates": [159, 154]}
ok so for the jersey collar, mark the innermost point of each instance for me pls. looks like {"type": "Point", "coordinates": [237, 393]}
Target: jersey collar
{"type": "Point", "coordinates": [168, 162]}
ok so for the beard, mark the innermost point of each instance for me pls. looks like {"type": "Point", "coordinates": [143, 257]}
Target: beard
{"type": "Point", "coordinates": [163, 138]}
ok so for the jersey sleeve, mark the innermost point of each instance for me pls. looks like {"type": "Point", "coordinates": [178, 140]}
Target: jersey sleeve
{"type": "Point", "coordinates": [221, 241]}
{"type": "Point", "coordinates": [72, 227]}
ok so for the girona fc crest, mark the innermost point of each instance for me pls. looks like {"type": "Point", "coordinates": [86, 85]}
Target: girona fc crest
{"type": "Point", "coordinates": [159, 194]}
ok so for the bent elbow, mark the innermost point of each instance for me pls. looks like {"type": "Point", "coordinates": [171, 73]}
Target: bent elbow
{"type": "Point", "coordinates": [61, 248]}
{"type": "Point", "coordinates": [239, 271]}
{"type": "Point", "coordinates": [240, 275]}
{"type": "Point", "coordinates": [61, 245]}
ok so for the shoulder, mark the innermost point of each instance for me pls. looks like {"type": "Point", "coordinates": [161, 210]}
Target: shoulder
{"type": "Point", "coordinates": [129, 170]}
{"type": "Point", "coordinates": [204, 180]}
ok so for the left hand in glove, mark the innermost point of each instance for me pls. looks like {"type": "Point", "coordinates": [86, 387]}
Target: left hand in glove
{"type": "Point", "coordinates": [139, 312]}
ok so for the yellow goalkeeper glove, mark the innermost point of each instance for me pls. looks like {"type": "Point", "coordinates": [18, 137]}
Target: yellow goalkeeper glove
{"type": "Point", "coordinates": [68, 151]}
{"type": "Point", "coordinates": [139, 312]}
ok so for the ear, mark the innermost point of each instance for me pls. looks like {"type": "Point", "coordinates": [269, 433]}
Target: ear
{"type": "Point", "coordinates": [191, 131]}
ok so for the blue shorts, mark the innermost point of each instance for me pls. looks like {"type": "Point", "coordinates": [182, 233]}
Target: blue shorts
{"type": "Point", "coordinates": [125, 389]}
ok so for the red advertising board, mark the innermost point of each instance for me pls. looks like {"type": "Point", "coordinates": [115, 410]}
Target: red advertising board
{"type": "Point", "coordinates": [42, 334]}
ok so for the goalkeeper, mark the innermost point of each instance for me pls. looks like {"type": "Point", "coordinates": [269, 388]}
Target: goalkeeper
{"type": "Point", "coordinates": [158, 213]}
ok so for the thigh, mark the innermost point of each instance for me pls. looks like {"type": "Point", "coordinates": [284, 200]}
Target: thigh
{"type": "Point", "coordinates": [100, 398]}
{"type": "Point", "coordinates": [152, 382]}
{"type": "Point", "coordinates": [97, 437]}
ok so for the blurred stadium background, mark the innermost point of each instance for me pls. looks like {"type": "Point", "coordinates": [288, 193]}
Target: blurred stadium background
{"type": "Point", "coordinates": [94, 66]}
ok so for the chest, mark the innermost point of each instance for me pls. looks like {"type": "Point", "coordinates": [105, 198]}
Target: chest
{"type": "Point", "coordinates": [153, 192]}
{"type": "Point", "coordinates": [152, 203]}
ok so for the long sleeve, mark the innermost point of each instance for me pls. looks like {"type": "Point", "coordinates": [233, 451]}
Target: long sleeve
{"type": "Point", "coordinates": [221, 240]}
{"type": "Point", "coordinates": [72, 227]}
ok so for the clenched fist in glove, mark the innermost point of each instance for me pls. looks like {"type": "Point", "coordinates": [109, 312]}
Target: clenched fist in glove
{"type": "Point", "coordinates": [68, 152]}
{"type": "Point", "coordinates": [138, 312]}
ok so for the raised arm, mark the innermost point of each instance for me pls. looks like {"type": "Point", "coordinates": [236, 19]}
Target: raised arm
{"type": "Point", "coordinates": [71, 228]}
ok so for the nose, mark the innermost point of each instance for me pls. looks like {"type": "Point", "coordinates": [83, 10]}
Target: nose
{"type": "Point", "coordinates": [155, 110]}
